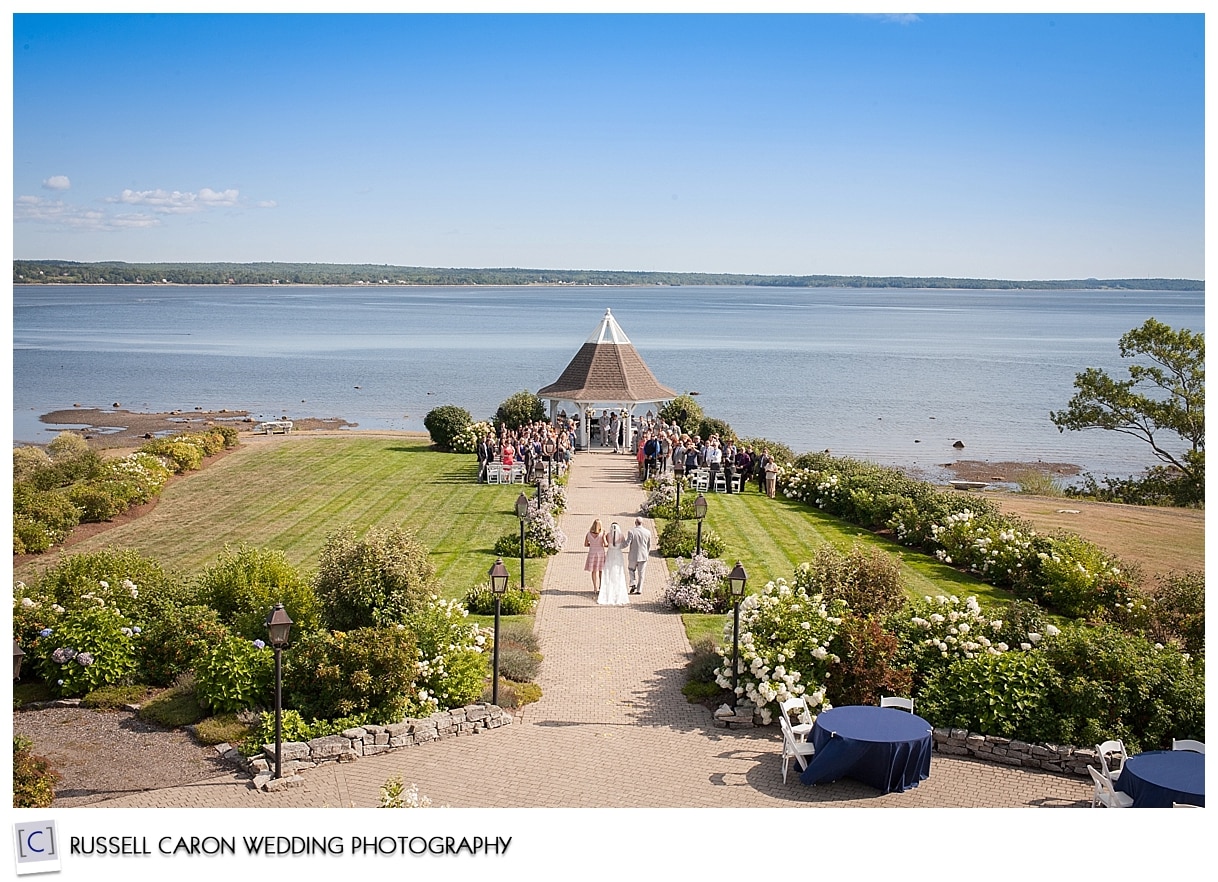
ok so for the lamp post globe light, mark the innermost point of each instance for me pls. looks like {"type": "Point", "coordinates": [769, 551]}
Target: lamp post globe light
{"type": "Point", "coordinates": [737, 579]}
{"type": "Point", "coordinates": [699, 513]}
{"type": "Point", "coordinates": [18, 655]}
{"type": "Point", "coordinates": [522, 510]}
{"type": "Point", "coordinates": [499, 580]}
{"type": "Point", "coordinates": [278, 624]}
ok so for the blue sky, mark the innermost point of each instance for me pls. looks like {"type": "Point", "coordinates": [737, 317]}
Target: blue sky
{"type": "Point", "coordinates": [1023, 147]}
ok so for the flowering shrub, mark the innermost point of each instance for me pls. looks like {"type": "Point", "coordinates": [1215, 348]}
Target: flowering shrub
{"type": "Point", "coordinates": [661, 499]}
{"type": "Point", "coordinates": [699, 585]}
{"type": "Point", "coordinates": [1076, 577]}
{"type": "Point", "coordinates": [1178, 610]}
{"type": "Point", "coordinates": [117, 576]}
{"type": "Point", "coordinates": [34, 779]}
{"type": "Point", "coordinates": [786, 637]}
{"type": "Point", "coordinates": [541, 526]}
{"type": "Point", "coordinates": [141, 476]}
{"type": "Point", "coordinates": [996, 549]}
{"type": "Point", "coordinates": [41, 518]}
{"type": "Point", "coordinates": [233, 675]}
{"type": "Point", "coordinates": [542, 535]}
{"type": "Point", "coordinates": [1067, 573]}
{"type": "Point", "coordinates": [466, 439]}
{"type": "Point", "coordinates": [365, 671]}
{"type": "Point", "coordinates": [90, 647]}
{"type": "Point", "coordinates": [451, 666]}
{"type": "Point", "coordinates": [553, 495]}
{"type": "Point", "coordinates": [395, 795]}
{"type": "Point", "coordinates": [513, 602]}
{"type": "Point", "coordinates": [935, 631]}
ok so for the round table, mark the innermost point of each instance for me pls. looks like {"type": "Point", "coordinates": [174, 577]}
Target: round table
{"type": "Point", "coordinates": [1158, 778]}
{"type": "Point", "coordinates": [888, 749]}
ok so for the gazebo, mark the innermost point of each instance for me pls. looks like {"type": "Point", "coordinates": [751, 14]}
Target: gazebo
{"type": "Point", "coordinates": [607, 372]}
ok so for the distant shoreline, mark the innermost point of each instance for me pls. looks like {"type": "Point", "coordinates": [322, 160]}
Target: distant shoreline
{"type": "Point", "coordinates": [121, 429]}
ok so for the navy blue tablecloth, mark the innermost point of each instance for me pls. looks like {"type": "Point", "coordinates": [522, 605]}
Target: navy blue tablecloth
{"type": "Point", "coordinates": [883, 747]}
{"type": "Point", "coordinates": [1160, 777]}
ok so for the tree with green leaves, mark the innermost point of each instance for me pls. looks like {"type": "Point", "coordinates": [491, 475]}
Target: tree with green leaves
{"type": "Point", "coordinates": [1162, 402]}
{"type": "Point", "coordinates": [519, 410]}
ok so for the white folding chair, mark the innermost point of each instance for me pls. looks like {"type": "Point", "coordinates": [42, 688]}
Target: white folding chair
{"type": "Point", "coordinates": [1187, 744]}
{"type": "Point", "coordinates": [796, 708]}
{"type": "Point", "coordinates": [1112, 769]}
{"type": "Point", "coordinates": [1105, 793]}
{"type": "Point", "coordinates": [897, 701]}
{"type": "Point", "coordinates": [720, 485]}
{"type": "Point", "coordinates": [793, 748]}
{"type": "Point", "coordinates": [700, 480]}
{"type": "Point", "coordinates": [494, 473]}
{"type": "Point", "coordinates": [735, 482]}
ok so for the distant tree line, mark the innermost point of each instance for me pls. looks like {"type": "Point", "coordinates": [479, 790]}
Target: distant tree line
{"type": "Point", "coordinates": [66, 272]}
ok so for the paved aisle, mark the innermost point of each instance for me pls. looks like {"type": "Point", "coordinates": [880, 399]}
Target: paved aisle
{"type": "Point", "coordinates": [612, 728]}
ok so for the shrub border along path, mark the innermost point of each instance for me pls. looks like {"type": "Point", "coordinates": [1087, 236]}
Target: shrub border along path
{"type": "Point", "coordinates": [612, 728]}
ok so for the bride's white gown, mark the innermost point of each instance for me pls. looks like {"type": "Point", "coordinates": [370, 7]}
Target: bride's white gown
{"type": "Point", "coordinates": [613, 578]}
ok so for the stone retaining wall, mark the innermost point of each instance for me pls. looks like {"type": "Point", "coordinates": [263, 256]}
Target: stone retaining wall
{"type": "Point", "coordinates": [351, 744]}
{"type": "Point", "coordinates": [1062, 759]}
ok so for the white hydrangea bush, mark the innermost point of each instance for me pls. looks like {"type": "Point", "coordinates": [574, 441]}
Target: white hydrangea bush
{"type": "Point", "coordinates": [786, 647]}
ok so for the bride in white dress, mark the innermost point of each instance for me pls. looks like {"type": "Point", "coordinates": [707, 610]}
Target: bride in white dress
{"type": "Point", "coordinates": [613, 580]}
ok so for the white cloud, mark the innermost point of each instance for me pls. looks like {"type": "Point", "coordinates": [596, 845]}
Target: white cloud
{"type": "Point", "coordinates": [177, 201]}
{"type": "Point", "coordinates": [57, 182]}
{"type": "Point", "coordinates": [268, 203]}
{"type": "Point", "coordinates": [35, 209]}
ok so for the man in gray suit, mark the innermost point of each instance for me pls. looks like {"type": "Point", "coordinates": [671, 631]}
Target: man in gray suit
{"type": "Point", "coordinates": [638, 549]}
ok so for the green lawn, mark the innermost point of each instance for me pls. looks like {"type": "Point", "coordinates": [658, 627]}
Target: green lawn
{"type": "Point", "coordinates": [771, 537]}
{"type": "Point", "coordinates": [291, 495]}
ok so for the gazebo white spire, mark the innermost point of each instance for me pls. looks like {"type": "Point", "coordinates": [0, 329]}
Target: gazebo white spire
{"type": "Point", "coordinates": [609, 331]}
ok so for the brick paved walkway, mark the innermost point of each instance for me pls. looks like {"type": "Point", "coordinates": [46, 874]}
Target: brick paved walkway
{"type": "Point", "coordinates": [612, 728]}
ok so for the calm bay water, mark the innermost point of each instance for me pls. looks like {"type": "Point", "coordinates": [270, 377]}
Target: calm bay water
{"type": "Point", "coordinates": [891, 375]}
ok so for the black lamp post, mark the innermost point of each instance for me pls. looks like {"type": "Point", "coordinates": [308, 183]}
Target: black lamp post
{"type": "Point", "coordinates": [549, 451]}
{"type": "Point", "coordinates": [277, 626]}
{"type": "Point", "coordinates": [499, 580]}
{"type": "Point", "coordinates": [18, 655]}
{"type": "Point", "coordinates": [678, 480]}
{"type": "Point", "coordinates": [699, 513]}
{"type": "Point", "coordinates": [737, 578]}
{"type": "Point", "coordinates": [522, 509]}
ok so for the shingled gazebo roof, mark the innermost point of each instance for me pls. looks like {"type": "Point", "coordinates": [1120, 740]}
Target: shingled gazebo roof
{"type": "Point", "coordinates": [607, 368]}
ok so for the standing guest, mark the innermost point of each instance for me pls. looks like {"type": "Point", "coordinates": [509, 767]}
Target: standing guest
{"type": "Point", "coordinates": [692, 458]}
{"type": "Point", "coordinates": [651, 453]}
{"type": "Point", "coordinates": [771, 478]}
{"type": "Point", "coordinates": [614, 427]}
{"type": "Point", "coordinates": [729, 465]}
{"type": "Point", "coordinates": [594, 563]}
{"type": "Point", "coordinates": [714, 459]}
{"type": "Point", "coordinates": [744, 466]}
{"type": "Point", "coordinates": [678, 459]}
{"type": "Point", "coordinates": [665, 456]}
{"type": "Point", "coordinates": [763, 462]}
{"type": "Point", "coordinates": [484, 450]}
{"type": "Point", "coordinates": [507, 452]}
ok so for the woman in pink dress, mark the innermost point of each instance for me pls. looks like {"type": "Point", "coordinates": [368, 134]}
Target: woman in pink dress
{"type": "Point", "coordinates": [595, 562]}
{"type": "Point", "coordinates": [508, 453]}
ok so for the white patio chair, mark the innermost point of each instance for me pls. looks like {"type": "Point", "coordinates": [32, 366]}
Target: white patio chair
{"type": "Point", "coordinates": [793, 748]}
{"type": "Point", "coordinates": [897, 701]}
{"type": "Point", "coordinates": [1187, 744]}
{"type": "Point", "coordinates": [494, 473]}
{"type": "Point", "coordinates": [700, 480]}
{"type": "Point", "coordinates": [796, 708]}
{"type": "Point", "coordinates": [720, 485]}
{"type": "Point", "coordinates": [1113, 767]}
{"type": "Point", "coordinates": [1105, 793]}
{"type": "Point", "coordinates": [736, 483]}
